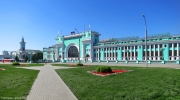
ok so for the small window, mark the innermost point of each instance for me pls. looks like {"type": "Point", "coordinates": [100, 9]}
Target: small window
{"type": "Point", "coordinates": [164, 45]}
{"type": "Point", "coordinates": [170, 44]}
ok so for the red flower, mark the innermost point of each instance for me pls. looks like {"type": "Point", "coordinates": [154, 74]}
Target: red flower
{"type": "Point", "coordinates": [105, 74]}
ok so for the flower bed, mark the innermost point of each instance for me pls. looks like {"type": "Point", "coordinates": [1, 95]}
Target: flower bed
{"type": "Point", "coordinates": [73, 64]}
{"type": "Point", "coordinates": [105, 74]}
{"type": "Point", "coordinates": [2, 69]}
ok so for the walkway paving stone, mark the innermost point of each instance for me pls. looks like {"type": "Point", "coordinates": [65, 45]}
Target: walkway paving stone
{"type": "Point", "coordinates": [49, 86]}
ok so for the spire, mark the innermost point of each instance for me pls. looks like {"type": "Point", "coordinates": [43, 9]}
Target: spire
{"type": "Point", "coordinates": [22, 39]}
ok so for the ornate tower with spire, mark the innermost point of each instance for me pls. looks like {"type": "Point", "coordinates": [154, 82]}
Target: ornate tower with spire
{"type": "Point", "coordinates": [22, 45]}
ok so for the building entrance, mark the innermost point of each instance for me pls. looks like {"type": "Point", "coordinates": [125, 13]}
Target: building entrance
{"type": "Point", "coordinates": [73, 52]}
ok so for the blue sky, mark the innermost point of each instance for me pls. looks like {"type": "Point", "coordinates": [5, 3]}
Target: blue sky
{"type": "Point", "coordinates": [39, 21]}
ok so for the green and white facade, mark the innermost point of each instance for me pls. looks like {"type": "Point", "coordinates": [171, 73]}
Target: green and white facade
{"type": "Point", "coordinates": [160, 47]}
{"type": "Point", "coordinates": [68, 47]}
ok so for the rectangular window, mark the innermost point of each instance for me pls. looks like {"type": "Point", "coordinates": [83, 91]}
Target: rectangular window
{"type": "Point", "coordinates": [156, 45]}
{"type": "Point", "coordinates": [136, 54]}
{"type": "Point", "coordinates": [147, 46]}
{"type": "Point", "coordinates": [152, 53]}
{"type": "Point", "coordinates": [170, 52]}
{"type": "Point", "coordinates": [161, 53]}
{"type": "Point", "coordinates": [175, 44]}
{"type": "Point", "coordinates": [104, 54]}
{"type": "Point", "coordinates": [170, 44]}
{"type": "Point", "coordinates": [144, 46]}
{"type": "Point", "coordinates": [175, 53]}
{"type": "Point", "coordinates": [143, 53]}
{"type": "Point", "coordinates": [132, 54]}
{"type": "Point", "coordinates": [156, 53]}
{"type": "Point", "coordinates": [116, 54]}
{"type": "Point", "coordinates": [160, 45]}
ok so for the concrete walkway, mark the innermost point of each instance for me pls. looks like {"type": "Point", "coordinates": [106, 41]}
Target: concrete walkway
{"type": "Point", "coordinates": [49, 86]}
{"type": "Point", "coordinates": [128, 64]}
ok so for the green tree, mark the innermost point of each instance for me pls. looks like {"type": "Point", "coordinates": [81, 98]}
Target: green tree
{"type": "Point", "coordinates": [39, 55]}
{"type": "Point", "coordinates": [16, 58]}
{"type": "Point", "coordinates": [34, 58]}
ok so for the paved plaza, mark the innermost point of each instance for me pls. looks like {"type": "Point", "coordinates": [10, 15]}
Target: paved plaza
{"type": "Point", "coordinates": [49, 86]}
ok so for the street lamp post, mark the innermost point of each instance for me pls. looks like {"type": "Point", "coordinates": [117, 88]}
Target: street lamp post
{"type": "Point", "coordinates": [79, 45]}
{"type": "Point", "coordinates": [145, 40]}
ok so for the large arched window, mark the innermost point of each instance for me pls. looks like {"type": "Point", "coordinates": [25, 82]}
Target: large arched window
{"type": "Point", "coordinates": [73, 52]}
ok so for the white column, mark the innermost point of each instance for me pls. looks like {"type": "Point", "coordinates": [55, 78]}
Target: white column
{"type": "Point", "coordinates": [115, 56]}
{"type": "Point", "coordinates": [134, 52]}
{"type": "Point", "coordinates": [177, 51]}
{"type": "Point", "coordinates": [172, 58]}
{"type": "Point", "coordinates": [131, 53]}
{"type": "Point", "coordinates": [150, 52]}
{"type": "Point", "coordinates": [82, 52]}
{"type": "Point", "coordinates": [91, 52]}
{"type": "Point", "coordinates": [127, 53]}
{"type": "Point", "coordinates": [158, 52]}
{"type": "Point", "coordinates": [154, 52]}
{"type": "Point", "coordinates": [106, 54]}
{"type": "Point", "coordinates": [124, 53]}
{"type": "Point", "coordinates": [112, 54]}
{"type": "Point", "coordinates": [98, 53]}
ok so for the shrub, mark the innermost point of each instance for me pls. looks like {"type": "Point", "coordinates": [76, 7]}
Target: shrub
{"type": "Point", "coordinates": [79, 64]}
{"type": "Point", "coordinates": [104, 69]}
{"type": "Point", "coordinates": [98, 69]}
{"type": "Point", "coordinates": [15, 64]}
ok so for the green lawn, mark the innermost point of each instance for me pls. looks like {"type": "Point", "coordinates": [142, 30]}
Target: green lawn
{"type": "Point", "coordinates": [15, 82]}
{"type": "Point", "coordinates": [68, 65]}
{"type": "Point", "coordinates": [139, 84]}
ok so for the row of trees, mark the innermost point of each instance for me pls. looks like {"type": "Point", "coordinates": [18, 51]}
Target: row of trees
{"type": "Point", "coordinates": [35, 57]}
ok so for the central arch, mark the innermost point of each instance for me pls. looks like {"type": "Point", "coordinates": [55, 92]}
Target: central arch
{"type": "Point", "coordinates": [73, 52]}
